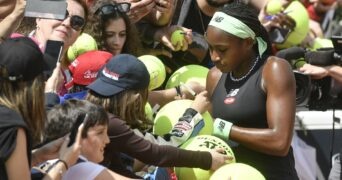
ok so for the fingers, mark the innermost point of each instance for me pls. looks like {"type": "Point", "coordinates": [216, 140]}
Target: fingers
{"type": "Point", "coordinates": [56, 80]}
{"type": "Point", "coordinates": [163, 6]}
{"type": "Point", "coordinates": [185, 45]}
{"type": "Point", "coordinates": [79, 136]}
{"type": "Point", "coordinates": [140, 9]}
{"type": "Point", "coordinates": [70, 154]}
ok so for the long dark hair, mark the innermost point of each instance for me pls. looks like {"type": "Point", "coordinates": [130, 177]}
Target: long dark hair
{"type": "Point", "coordinates": [98, 25]}
{"type": "Point", "coordinates": [249, 16]}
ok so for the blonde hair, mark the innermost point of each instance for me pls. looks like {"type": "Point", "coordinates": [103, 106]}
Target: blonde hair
{"type": "Point", "coordinates": [128, 105]}
{"type": "Point", "coordinates": [26, 98]}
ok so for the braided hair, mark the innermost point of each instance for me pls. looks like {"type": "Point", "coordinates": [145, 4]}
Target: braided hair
{"type": "Point", "coordinates": [249, 16]}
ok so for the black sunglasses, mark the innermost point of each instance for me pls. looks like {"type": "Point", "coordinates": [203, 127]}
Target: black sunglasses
{"type": "Point", "coordinates": [109, 9]}
{"type": "Point", "coordinates": [76, 22]}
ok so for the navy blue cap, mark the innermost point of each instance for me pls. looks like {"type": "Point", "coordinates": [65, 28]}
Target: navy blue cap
{"type": "Point", "coordinates": [122, 72]}
{"type": "Point", "coordinates": [22, 58]}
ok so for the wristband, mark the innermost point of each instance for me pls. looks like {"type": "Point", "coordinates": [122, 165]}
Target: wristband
{"type": "Point", "coordinates": [222, 128]}
{"type": "Point", "coordinates": [55, 163]}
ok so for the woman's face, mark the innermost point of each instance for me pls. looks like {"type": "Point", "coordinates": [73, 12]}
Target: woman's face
{"type": "Point", "coordinates": [115, 33]}
{"type": "Point", "coordinates": [226, 51]}
{"type": "Point", "coordinates": [94, 144]}
{"type": "Point", "coordinates": [48, 29]}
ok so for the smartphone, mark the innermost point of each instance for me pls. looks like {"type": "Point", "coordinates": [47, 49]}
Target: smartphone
{"type": "Point", "coordinates": [47, 9]}
{"type": "Point", "coordinates": [80, 119]}
{"type": "Point", "coordinates": [279, 35]}
{"type": "Point", "coordinates": [53, 49]}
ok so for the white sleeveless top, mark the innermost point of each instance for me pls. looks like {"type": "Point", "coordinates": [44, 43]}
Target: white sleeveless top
{"type": "Point", "coordinates": [84, 170]}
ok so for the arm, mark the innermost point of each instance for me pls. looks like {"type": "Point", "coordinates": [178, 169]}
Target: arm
{"type": "Point", "coordinates": [213, 78]}
{"type": "Point", "coordinates": [279, 85]}
{"type": "Point", "coordinates": [318, 72]}
{"type": "Point", "coordinates": [123, 139]}
{"type": "Point", "coordinates": [18, 160]}
{"type": "Point", "coordinates": [162, 97]}
{"type": "Point", "coordinates": [12, 21]}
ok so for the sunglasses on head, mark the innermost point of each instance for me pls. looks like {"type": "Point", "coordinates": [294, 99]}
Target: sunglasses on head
{"type": "Point", "coordinates": [109, 9]}
{"type": "Point", "coordinates": [76, 22]}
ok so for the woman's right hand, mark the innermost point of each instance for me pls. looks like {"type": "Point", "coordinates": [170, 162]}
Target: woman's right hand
{"type": "Point", "coordinates": [55, 82]}
{"type": "Point", "coordinates": [201, 102]}
{"type": "Point", "coordinates": [219, 159]}
{"type": "Point", "coordinates": [164, 34]}
{"type": "Point", "coordinates": [71, 154]}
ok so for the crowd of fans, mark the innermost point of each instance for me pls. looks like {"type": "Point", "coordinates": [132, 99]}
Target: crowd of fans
{"type": "Point", "coordinates": [249, 92]}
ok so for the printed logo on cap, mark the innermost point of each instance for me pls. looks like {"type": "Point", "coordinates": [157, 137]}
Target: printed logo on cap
{"type": "Point", "coordinates": [89, 74]}
{"type": "Point", "coordinates": [106, 72]}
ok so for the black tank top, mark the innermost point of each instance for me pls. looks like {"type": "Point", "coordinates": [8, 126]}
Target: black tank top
{"type": "Point", "coordinates": [244, 104]}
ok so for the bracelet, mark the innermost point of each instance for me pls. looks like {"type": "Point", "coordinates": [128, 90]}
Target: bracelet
{"type": "Point", "coordinates": [65, 164]}
{"type": "Point", "coordinates": [178, 90]}
{"type": "Point", "coordinates": [55, 163]}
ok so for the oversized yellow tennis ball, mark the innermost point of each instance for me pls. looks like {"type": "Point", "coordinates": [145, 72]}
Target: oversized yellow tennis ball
{"type": "Point", "coordinates": [299, 14]}
{"type": "Point", "coordinates": [156, 69]}
{"type": "Point", "coordinates": [202, 143]}
{"type": "Point", "coordinates": [186, 74]}
{"type": "Point", "coordinates": [274, 7]}
{"type": "Point", "coordinates": [83, 43]}
{"type": "Point", "coordinates": [177, 37]}
{"type": "Point", "coordinates": [237, 171]}
{"type": "Point", "coordinates": [170, 113]}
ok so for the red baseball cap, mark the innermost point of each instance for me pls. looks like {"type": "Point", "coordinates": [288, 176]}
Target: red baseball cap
{"type": "Point", "coordinates": [84, 68]}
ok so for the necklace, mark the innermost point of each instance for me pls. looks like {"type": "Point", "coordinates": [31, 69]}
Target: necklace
{"type": "Point", "coordinates": [243, 77]}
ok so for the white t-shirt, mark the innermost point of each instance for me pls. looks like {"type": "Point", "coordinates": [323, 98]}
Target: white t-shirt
{"type": "Point", "coordinates": [84, 170]}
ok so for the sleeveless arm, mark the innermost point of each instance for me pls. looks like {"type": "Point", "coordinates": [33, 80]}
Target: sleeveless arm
{"type": "Point", "coordinates": [17, 166]}
{"type": "Point", "coordinates": [212, 79]}
{"type": "Point", "coordinates": [279, 85]}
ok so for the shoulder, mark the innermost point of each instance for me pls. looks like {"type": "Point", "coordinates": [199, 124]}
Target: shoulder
{"type": "Point", "coordinates": [274, 63]}
{"type": "Point", "coordinates": [213, 77]}
{"type": "Point", "coordinates": [10, 118]}
{"type": "Point", "coordinates": [275, 67]}
{"type": "Point", "coordinates": [277, 71]}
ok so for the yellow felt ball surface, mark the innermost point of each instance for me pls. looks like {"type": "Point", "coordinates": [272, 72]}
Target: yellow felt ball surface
{"type": "Point", "coordinates": [177, 37]}
{"type": "Point", "coordinates": [83, 43]}
{"type": "Point", "coordinates": [202, 143]}
{"type": "Point", "coordinates": [237, 171]}
{"type": "Point", "coordinates": [299, 14]}
{"type": "Point", "coordinates": [170, 113]}
{"type": "Point", "coordinates": [156, 69]}
{"type": "Point", "coordinates": [186, 74]}
{"type": "Point", "coordinates": [274, 7]}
